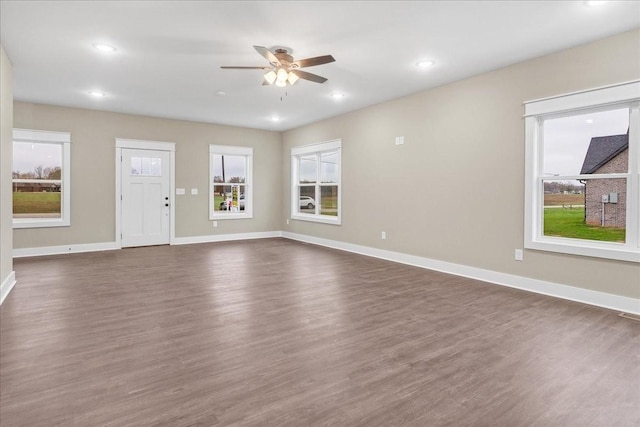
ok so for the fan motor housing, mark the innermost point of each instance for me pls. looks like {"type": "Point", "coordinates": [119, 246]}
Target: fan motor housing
{"type": "Point", "coordinates": [283, 56]}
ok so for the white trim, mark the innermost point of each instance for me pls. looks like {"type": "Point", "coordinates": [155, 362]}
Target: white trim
{"type": "Point", "coordinates": [226, 237]}
{"type": "Point", "coordinates": [624, 95]}
{"type": "Point", "coordinates": [334, 144]}
{"type": "Point", "coordinates": [7, 285]}
{"type": "Point", "coordinates": [138, 144]}
{"type": "Point", "coordinates": [600, 299]}
{"type": "Point", "coordinates": [64, 140]}
{"type": "Point", "coordinates": [317, 150]}
{"type": "Point", "coordinates": [613, 94]}
{"type": "Point", "coordinates": [42, 136]}
{"type": "Point", "coordinates": [65, 249]}
{"type": "Point", "coordinates": [232, 150]}
{"type": "Point", "coordinates": [586, 296]}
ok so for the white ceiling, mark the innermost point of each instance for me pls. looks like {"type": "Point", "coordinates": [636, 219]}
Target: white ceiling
{"type": "Point", "coordinates": [169, 53]}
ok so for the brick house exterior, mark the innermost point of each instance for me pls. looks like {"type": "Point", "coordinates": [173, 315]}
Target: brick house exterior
{"type": "Point", "coordinates": [606, 154]}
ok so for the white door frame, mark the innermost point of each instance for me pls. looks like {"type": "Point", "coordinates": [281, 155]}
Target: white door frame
{"type": "Point", "coordinates": [145, 145]}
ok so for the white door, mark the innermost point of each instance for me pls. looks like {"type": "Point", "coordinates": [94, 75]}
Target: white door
{"type": "Point", "coordinates": [145, 206]}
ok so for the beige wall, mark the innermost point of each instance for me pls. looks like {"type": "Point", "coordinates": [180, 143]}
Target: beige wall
{"type": "Point", "coordinates": [93, 135]}
{"type": "Point", "coordinates": [6, 160]}
{"type": "Point", "coordinates": [454, 191]}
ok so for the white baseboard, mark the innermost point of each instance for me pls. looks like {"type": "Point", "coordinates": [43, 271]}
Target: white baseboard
{"type": "Point", "coordinates": [7, 285]}
{"type": "Point", "coordinates": [65, 249]}
{"type": "Point", "coordinates": [226, 237]}
{"type": "Point", "coordinates": [586, 296]}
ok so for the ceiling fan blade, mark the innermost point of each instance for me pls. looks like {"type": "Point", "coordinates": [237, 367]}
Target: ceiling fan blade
{"type": "Point", "coordinates": [308, 76]}
{"type": "Point", "coordinates": [310, 62]}
{"type": "Point", "coordinates": [268, 55]}
{"type": "Point", "coordinates": [229, 67]}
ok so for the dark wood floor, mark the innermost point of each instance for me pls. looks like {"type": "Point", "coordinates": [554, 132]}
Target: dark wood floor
{"type": "Point", "coordinates": [279, 333]}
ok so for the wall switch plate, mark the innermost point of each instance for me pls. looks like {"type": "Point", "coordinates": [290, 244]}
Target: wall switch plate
{"type": "Point", "coordinates": [215, 224]}
{"type": "Point", "coordinates": [519, 255]}
{"type": "Point", "coordinates": [179, 191]}
{"type": "Point", "coordinates": [287, 221]}
{"type": "Point", "coordinates": [383, 235]}
{"type": "Point", "coordinates": [399, 140]}
{"type": "Point", "coordinates": [194, 191]}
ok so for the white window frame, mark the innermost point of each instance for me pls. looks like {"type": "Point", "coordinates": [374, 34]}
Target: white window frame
{"type": "Point", "coordinates": [49, 137]}
{"type": "Point", "coordinates": [623, 95]}
{"type": "Point", "coordinates": [317, 149]}
{"type": "Point", "coordinates": [231, 150]}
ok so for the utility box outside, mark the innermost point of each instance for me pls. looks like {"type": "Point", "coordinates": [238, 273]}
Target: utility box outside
{"type": "Point", "coordinates": [613, 197]}
{"type": "Point", "coordinates": [605, 198]}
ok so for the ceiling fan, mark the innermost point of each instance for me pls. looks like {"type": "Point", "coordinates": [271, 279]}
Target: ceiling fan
{"type": "Point", "coordinates": [283, 70]}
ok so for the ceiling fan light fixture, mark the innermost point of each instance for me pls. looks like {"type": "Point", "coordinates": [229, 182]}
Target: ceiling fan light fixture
{"type": "Point", "coordinates": [282, 76]}
{"type": "Point", "coordinates": [281, 83]}
{"type": "Point", "coordinates": [293, 78]}
{"type": "Point", "coordinates": [270, 77]}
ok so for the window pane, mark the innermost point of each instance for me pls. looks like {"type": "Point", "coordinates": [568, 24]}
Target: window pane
{"type": "Point", "coordinates": [329, 200]}
{"type": "Point", "coordinates": [146, 166]}
{"type": "Point", "coordinates": [136, 165]}
{"type": "Point", "coordinates": [307, 199]}
{"type": "Point", "coordinates": [329, 167]}
{"type": "Point", "coordinates": [34, 162]}
{"type": "Point", "coordinates": [593, 209]}
{"type": "Point", "coordinates": [591, 143]}
{"type": "Point", "coordinates": [37, 161]}
{"type": "Point", "coordinates": [29, 201]}
{"type": "Point", "coordinates": [224, 197]}
{"type": "Point", "coordinates": [229, 169]}
{"type": "Point", "coordinates": [308, 169]}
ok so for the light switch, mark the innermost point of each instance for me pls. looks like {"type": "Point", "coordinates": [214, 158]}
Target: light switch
{"type": "Point", "coordinates": [180, 191]}
{"type": "Point", "coordinates": [194, 191]}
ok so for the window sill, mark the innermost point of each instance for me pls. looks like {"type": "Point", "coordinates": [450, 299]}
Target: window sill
{"type": "Point", "coordinates": [318, 218]}
{"type": "Point", "coordinates": [220, 217]}
{"type": "Point", "coordinates": [614, 251]}
{"type": "Point", "coordinates": [39, 223]}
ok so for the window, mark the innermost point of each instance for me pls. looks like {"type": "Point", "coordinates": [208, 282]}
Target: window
{"type": "Point", "coordinates": [41, 179]}
{"type": "Point", "coordinates": [582, 173]}
{"type": "Point", "coordinates": [230, 184]}
{"type": "Point", "coordinates": [146, 166]}
{"type": "Point", "coordinates": [315, 189]}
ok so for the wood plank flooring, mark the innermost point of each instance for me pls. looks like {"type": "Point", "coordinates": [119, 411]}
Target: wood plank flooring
{"type": "Point", "coordinates": [279, 333]}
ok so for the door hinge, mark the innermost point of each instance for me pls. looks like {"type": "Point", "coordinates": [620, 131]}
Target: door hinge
{"type": "Point", "coordinates": [121, 197]}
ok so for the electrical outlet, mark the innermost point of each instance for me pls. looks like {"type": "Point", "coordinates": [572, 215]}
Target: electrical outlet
{"type": "Point", "coordinates": [215, 224]}
{"type": "Point", "coordinates": [287, 221]}
{"type": "Point", "coordinates": [519, 255]}
{"type": "Point", "coordinates": [399, 140]}
{"type": "Point", "coordinates": [383, 235]}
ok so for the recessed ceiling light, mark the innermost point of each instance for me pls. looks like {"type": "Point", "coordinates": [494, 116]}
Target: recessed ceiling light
{"type": "Point", "coordinates": [595, 2]}
{"type": "Point", "coordinates": [589, 121]}
{"type": "Point", "coordinates": [425, 63]}
{"type": "Point", "coordinates": [337, 95]}
{"type": "Point", "coordinates": [275, 119]}
{"type": "Point", "coordinates": [104, 48]}
{"type": "Point", "coordinates": [221, 93]}
{"type": "Point", "coordinates": [97, 94]}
